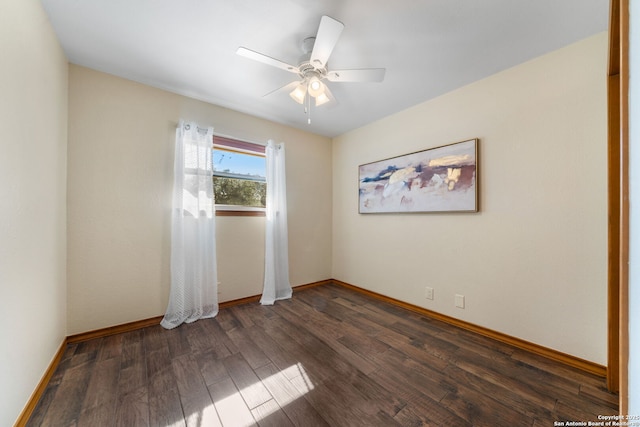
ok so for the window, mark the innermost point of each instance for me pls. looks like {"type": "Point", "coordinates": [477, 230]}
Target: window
{"type": "Point", "coordinates": [239, 177]}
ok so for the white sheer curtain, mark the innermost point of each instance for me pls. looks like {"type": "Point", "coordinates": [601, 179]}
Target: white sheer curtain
{"type": "Point", "coordinates": [194, 293]}
{"type": "Point", "coordinates": [276, 270]}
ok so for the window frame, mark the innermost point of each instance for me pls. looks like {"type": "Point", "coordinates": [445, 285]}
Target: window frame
{"type": "Point", "coordinates": [243, 147]}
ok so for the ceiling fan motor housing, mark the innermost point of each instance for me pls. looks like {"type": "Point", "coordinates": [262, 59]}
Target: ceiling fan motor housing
{"type": "Point", "coordinates": [307, 71]}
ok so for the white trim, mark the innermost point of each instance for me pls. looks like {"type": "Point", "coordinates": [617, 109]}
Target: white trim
{"type": "Point", "coordinates": [239, 208]}
{"type": "Point", "coordinates": [222, 147]}
{"type": "Point", "coordinates": [221, 135]}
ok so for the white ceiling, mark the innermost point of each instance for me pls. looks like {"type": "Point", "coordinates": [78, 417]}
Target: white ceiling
{"type": "Point", "coordinates": [428, 47]}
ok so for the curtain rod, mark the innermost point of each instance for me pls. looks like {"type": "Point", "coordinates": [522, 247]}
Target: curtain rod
{"type": "Point", "coordinates": [187, 126]}
{"type": "Point", "coordinates": [221, 135]}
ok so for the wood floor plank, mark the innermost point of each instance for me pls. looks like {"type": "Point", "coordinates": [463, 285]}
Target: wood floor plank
{"type": "Point", "coordinates": [212, 369]}
{"type": "Point", "coordinates": [555, 368]}
{"type": "Point", "coordinates": [132, 348]}
{"type": "Point", "coordinates": [40, 411]}
{"type": "Point", "coordinates": [229, 404]}
{"type": "Point", "coordinates": [154, 338]}
{"type": "Point", "coordinates": [290, 397]}
{"type": "Point", "coordinates": [177, 340]}
{"type": "Point", "coordinates": [534, 385]}
{"type": "Point", "coordinates": [100, 415]}
{"type": "Point", "coordinates": [188, 376]}
{"type": "Point", "coordinates": [227, 320]}
{"type": "Point", "coordinates": [396, 384]}
{"type": "Point", "coordinates": [414, 350]}
{"type": "Point", "coordinates": [259, 313]}
{"type": "Point", "coordinates": [102, 389]}
{"type": "Point", "coordinates": [341, 406]}
{"type": "Point", "coordinates": [83, 360]}
{"type": "Point", "coordinates": [220, 342]}
{"type": "Point", "coordinates": [160, 372]}
{"type": "Point", "coordinates": [458, 376]}
{"type": "Point", "coordinates": [599, 395]}
{"type": "Point", "coordinates": [411, 385]}
{"type": "Point", "coordinates": [427, 341]}
{"type": "Point", "coordinates": [243, 316]}
{"type": "Point", "coordinates": [363, 345]}
{"type": "Point", "coordinates": [251, 388]}
{"type": "Point", "coordinates": [89, 347]}
{"type": "Point", "coordinates": [71, 391]}
{"type": "Point", "coordinates": [111, 347]}
{"type": "Point", "coordinates": [132, 376]}
{"type": "Point", "coordinates": [319, 370]}
{"type": "Point", "coordinates": [66, 362]}
{"type": "Point", "coordinates": [133, 408]}
{"type": "Point", "coordinates": [587, 412]}
{"type": "Point", "coordinates": [509, 384]}
{"type": "Point", "coordinates": [380, 397]}
{"type": "Point", "coordinates": [199, 410]}
{"type": "Point", "coordinates": [281, 359]}
{"type": "Point", "coordinates": [480, 409]}
{"type": "Point", "coordinates": [330, 338]}
{"type": "Point", "coordinates": [330, 327]}
{"type": "Point", "coordinates": [254, 356]}
{"type": "Point", "coordinates": [422, 413]}
{"type": "Point", "coordinates": [269, 414]}
{"type": "Point", "coordinates": [165, 409]}
{"type": "Point", "coordinates": [328, 356]}
{"type": "Point", "coordinates": [198, 338]}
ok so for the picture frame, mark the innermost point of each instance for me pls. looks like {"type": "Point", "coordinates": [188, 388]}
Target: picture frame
{"type": "Point", "coordinates": [439, 179]}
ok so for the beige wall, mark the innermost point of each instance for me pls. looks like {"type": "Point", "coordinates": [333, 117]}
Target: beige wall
{"type": "Point", "coordinates": [532, 262]}
{"type": "Point", "coordinates": [121, 137]}
{"type": "Point", "coordinates": [33, 133]}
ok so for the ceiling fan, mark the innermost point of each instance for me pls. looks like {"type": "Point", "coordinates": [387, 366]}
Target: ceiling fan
{"type": "Point", "coordinates": [312, 68]}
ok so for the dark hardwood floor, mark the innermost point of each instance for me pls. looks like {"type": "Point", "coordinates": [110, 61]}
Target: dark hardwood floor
{"type": "Point", "coordinates": [327, 357]}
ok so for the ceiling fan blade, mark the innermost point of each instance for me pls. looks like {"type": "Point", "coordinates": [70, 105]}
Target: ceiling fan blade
{"type": "Point", "coordinates": [286, 88]}
{"type": "Point", "coordinates": [256, 56]}
{"type": "Point", "coordinates": [364, 75]}
{"type": "Point", "coordinates": [326, 39]}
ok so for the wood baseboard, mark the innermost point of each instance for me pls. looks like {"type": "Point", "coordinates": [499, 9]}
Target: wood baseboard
{"type": "Point", "coordinates": [24, 416]}
{"type": "Point", "coordinates": [566, 359]}
{"type": "Point", "coordinates": [113, 330]}
{"type": "Point", "coordinates": [312, 285]}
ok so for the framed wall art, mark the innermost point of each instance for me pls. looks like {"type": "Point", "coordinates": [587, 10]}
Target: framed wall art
{"type": "Point", "coordinates": [441, 179]}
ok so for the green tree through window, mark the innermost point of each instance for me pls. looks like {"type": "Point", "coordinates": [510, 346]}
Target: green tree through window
{"type": "Point", "coordinates": [239, 192]}
{"type": "Point", "coordinates": [239, 173]}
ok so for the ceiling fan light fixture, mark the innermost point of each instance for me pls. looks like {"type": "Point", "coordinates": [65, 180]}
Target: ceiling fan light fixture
{"type": "Point", "coordinates": [322, 99]}
{"type": "Point", "coordinates": [316, 87]}
{"type": "Point", "coordinates": [299, 93]}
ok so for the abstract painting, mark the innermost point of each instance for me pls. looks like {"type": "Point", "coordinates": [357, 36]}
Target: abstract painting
{"type": "Point", "coordinates": [441, 179]}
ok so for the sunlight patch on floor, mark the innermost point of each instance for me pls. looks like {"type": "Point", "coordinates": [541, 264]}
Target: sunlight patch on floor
{"type": "Point", "coordinates": [206, 417]}
{"type": "Point", "coordinates": [291, 384]}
